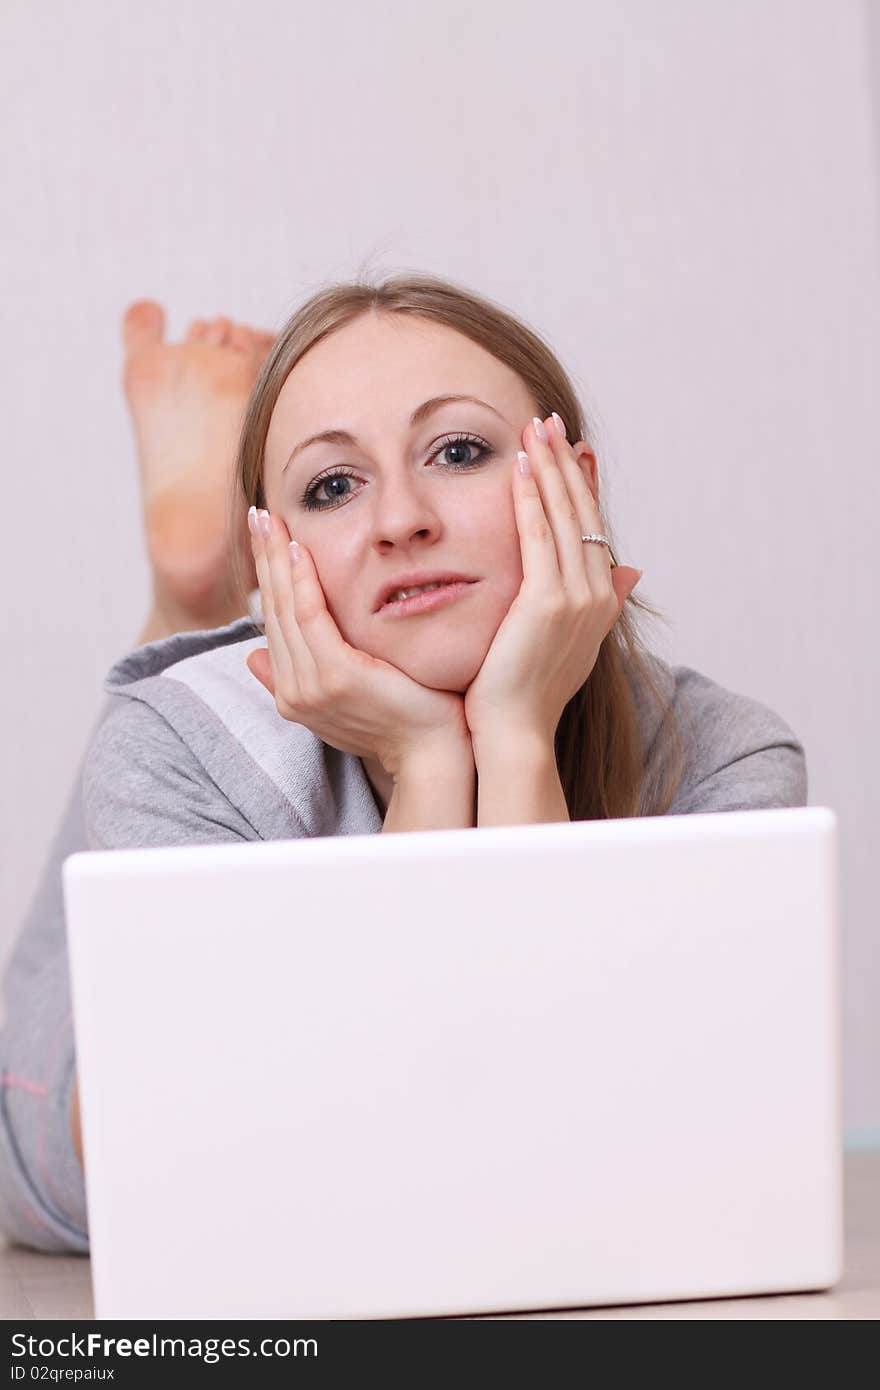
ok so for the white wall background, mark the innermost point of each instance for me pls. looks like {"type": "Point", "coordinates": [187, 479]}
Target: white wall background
{"type": "Point", "coordinates": [682, 197]}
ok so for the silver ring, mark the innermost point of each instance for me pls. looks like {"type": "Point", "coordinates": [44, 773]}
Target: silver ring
{"type": "Point", "coordinates": [602, 540]}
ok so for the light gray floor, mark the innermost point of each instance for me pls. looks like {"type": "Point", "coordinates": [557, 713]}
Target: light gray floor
{"type": "Point", "coordinates": [36, 1286]}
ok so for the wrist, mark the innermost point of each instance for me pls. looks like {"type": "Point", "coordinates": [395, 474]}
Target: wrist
{"type": "Point", "coordinates": [166, 618]}
{"type": "Point", "coordinates": [524, 747]}
{"type": "Point", "coordinates": [443, 758]}
{"type": "Point", "coordinates": [434, 789]}
{"type": "Point", "coordinates": [519, 781]}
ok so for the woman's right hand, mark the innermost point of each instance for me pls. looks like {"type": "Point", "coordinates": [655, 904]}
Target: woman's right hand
{"type": "Point", "coordinates": [351, 700]}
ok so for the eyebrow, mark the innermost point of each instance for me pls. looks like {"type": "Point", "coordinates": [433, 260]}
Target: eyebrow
{"type": "Point", "coordinates": [420, 414]}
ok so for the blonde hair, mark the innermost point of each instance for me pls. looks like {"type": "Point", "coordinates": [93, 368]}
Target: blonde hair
{"type": "Point", "coordinates": [605, 769]}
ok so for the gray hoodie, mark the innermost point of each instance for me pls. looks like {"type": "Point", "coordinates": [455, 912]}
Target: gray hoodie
{"type": "Point", "coordinates": [189, 748]}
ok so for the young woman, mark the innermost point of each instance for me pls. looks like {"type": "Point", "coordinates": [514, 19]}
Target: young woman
{"type": "Point", "coordinates": [397, 436]}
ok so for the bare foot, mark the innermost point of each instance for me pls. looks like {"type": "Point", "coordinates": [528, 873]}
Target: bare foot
{"type": "Point", "coordinates": [187, 401]}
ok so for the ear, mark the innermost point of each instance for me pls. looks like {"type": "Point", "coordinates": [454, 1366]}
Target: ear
{"type": "Point", "coordinates": [586, 462]}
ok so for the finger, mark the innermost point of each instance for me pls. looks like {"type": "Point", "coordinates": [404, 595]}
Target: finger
{"type": "Point", "coordinates": [259, 664]}
{"type": "Point", "coordinates": [316, 628]}
{"type": "Point", "coordinates": [558, 506]}
{"type": "Point", "coordinates": [593, 560]}
{"type": "Point", "coordinates": [280, 658]}
{"type": "Point", "coordinates": [286, 601]}
{"type": "Point", "coordinates": [540, 563]}
{"type": "Point", "coordinates": [624, 578]}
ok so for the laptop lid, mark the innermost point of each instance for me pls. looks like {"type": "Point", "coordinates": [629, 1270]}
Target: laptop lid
{"type": "Point", "coordinates": [450, 1072]}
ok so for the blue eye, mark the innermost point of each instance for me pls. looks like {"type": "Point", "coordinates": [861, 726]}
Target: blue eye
{"type": "Point", "coordinates": [313, 503]}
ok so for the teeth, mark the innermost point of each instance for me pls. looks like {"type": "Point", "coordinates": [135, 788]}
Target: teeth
{"type": "Point", "coordinates": [422, 589]}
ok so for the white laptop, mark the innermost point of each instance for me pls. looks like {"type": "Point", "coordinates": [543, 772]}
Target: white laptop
{"type": "Point", "coordinates": [461, 1071]}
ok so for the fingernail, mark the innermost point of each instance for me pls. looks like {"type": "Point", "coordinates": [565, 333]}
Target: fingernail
{"type": "Point", "coordinates": [252, 520]}
{"type": "Point", "coordinates": [295, 551]}
{"type": "Point", "coordinates": [524, 466]}
{"type": "Point", "coordinates": [560, 425]}
{"type": "Point", "coordinates": [539, 429]}
{"type": "Point", "coordinates": [265, 524]}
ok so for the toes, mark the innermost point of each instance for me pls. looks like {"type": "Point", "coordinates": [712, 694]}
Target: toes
{"type": "Point", "coordinates": [196, 331]}
{"type": "Point", "coordinates": [251, 340]}
{"type": "Point", "coordinates": [241, 339]}
{"type": "Point", "coordinates": [261, 343]}
{"type": "Point", "coordinates": [143, 323]}
{"type": "Point", "coordinates": [218, 332]}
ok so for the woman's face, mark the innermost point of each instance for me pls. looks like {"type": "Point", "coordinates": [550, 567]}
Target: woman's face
{"type": "Point", "coordinates": [406, 497]}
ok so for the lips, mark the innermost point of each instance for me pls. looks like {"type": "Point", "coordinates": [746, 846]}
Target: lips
{"type": "Point", "coordinates": [417, 579]}
{"type": "Point", "coordinates": [430, 599]}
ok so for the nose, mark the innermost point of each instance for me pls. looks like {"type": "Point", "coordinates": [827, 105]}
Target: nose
{"type": "Point", "coordinates": [404, 510]}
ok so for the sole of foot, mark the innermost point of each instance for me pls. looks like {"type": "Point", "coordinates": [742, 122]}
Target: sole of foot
{"type": "Point", "coordinates": [186, 401]}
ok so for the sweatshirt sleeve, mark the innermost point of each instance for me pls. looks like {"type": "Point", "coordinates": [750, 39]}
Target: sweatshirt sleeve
{"type": "Point", "coordinates": [42, 1189]}
{"type": "Point", "coordinates": [739, 754]}
{"type": "Point", "coordinates": [143, 787]}
{"type": "Point", "coordinates": [138, 785]}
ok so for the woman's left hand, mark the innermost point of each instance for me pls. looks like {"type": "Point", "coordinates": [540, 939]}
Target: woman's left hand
{"type": "Point", "coordinates": [569, 600]}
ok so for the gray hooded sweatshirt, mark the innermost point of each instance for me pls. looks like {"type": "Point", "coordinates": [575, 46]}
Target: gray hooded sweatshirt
{"type": "Point", "coordinates": [189, 748]}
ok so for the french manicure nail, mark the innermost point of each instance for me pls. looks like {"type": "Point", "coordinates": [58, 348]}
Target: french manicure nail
{"type": "Point", "coordinates": [265, 523]}
{"type": "Point", "coordinates": [294, 551]}
{"type": "Point", "coordinates": [539, 429]}
{"type": "Point", "coordinates": [560, 425]}
{"type": "Point", "coordinates": [252, 520]}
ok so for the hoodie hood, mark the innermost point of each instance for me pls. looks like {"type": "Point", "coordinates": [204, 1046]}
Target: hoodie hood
{"type": "Point", "coordinates": [152, 658]}
{"type": "Point", "coordinates": [197, 678]}
{"type": "Point", "coordinates": [156, 658]}
{"type": "Point", "coordinates": [281, 775]}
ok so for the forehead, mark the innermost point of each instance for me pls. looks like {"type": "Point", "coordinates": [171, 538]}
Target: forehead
{"type": "Point", "coordinates": [382, 362]}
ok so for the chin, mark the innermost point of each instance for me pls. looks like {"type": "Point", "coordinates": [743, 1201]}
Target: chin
{"type": "Point", "coordinates": [437, 675]}
{"type": "Point", "coordinates": [438, 665]}
{"type": "Point", "coordinates": [439, 655]}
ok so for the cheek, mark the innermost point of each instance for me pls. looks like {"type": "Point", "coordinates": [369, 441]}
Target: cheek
{"type": "Point", "coordinates": [501, 555]}
{"type": "Point", "coordinates": [338, 577]}
{"type": "Point", "coordinates": [340, 574]}
{"type": "Point", "coordinates": [481, 537]}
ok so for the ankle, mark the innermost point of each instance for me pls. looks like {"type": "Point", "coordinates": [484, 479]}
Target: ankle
{"type": "Point", "coordinates": [167, 617]}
